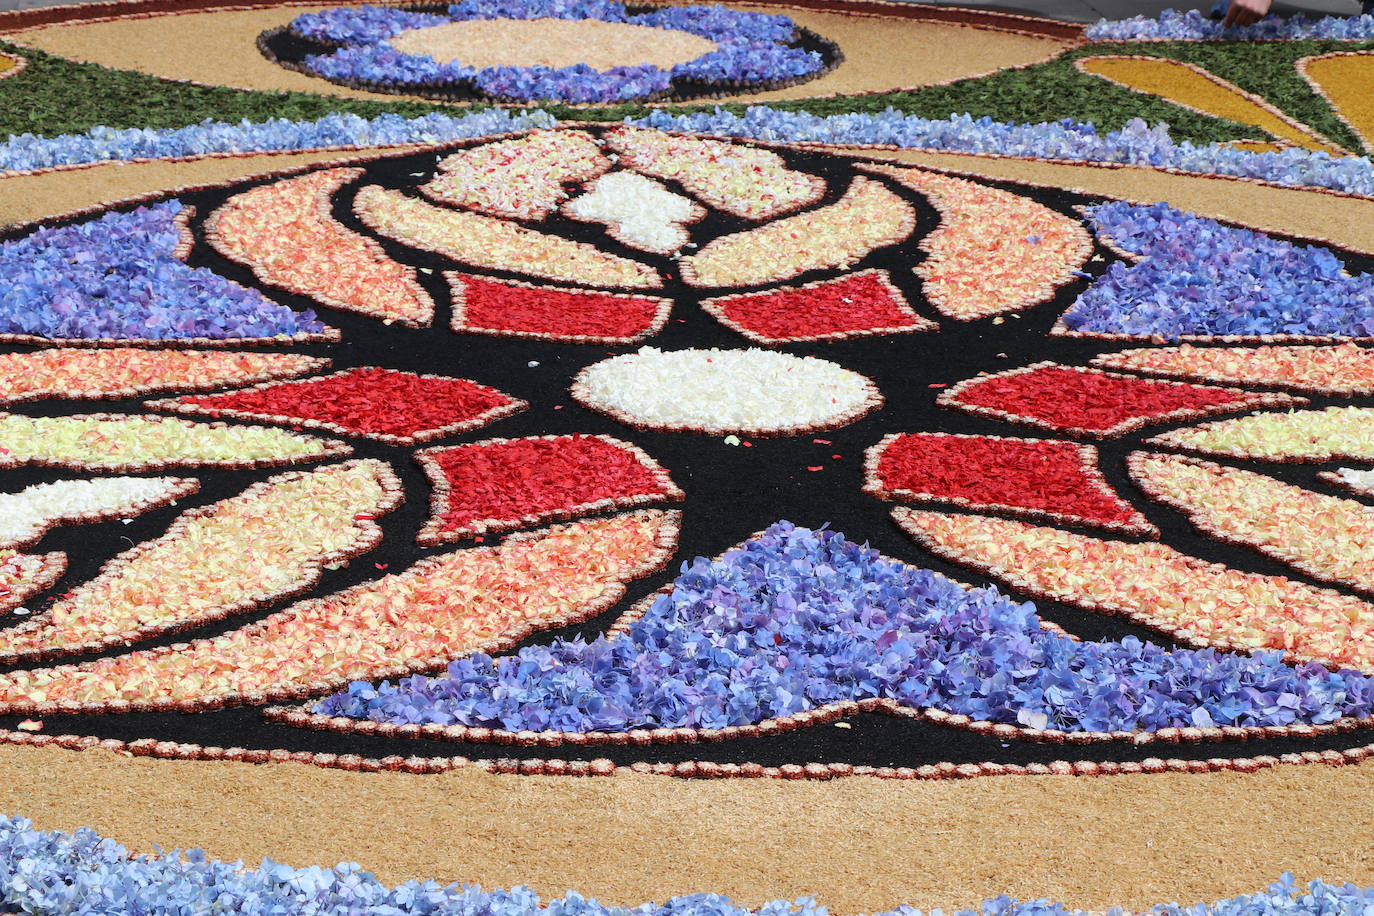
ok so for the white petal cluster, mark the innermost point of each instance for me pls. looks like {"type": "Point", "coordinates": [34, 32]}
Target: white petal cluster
{"type": "Point", "coordinates": [638, 211]}
{"type": "Point", "coordinates": [1358, 480]}
{"type": "Point", "coordinates": [27, 514]}
{"type": "Point", "coordinates": [725, 391]}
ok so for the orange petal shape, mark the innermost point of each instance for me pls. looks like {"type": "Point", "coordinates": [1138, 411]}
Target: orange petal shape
{"type": "Point", "coordinates": [1194, 88]}
{"type": "Point", "coordinates": [483, 599]}
{"type": "Point", "coordinates": [1198, 603]}
{"type": "Point", "coordinates": [495, 244]}
{"type": "Point", "coordinates": [127, 372]}
{"type": "Point", "coordinates": [1324, 536]}
{"type": "Point", "coordinates": [867, 217]}
{"type": "Point", "coordinates": [521, 178]}
{"type": "Point", "coordinates": [284, 232]}
{"type": "Point", "coordinates": [994, 251]}
{"type": "Point", "coordinates": [1346, 369]}
{"type": "Point", "coordinates": [1343, 79]}
{"type": "Point", "coordinates": [744, 181]}
{"type": "Point", "coordinates": [270, 541]}
{"type": "Point", "coordinates": [23, 575]}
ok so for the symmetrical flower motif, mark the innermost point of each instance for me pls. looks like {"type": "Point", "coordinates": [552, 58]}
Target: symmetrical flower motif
{"type": "Point", "coordinates": [548, 245]}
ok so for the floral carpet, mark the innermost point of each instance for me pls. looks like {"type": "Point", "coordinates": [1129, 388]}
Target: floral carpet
{"type": "Point", "coordinates": [780, 450]}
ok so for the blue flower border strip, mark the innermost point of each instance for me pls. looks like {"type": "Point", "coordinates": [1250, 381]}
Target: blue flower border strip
{"type": "Point", "coordinates": [1067, 141]}
{"type": "Point", "coordinates": [1172, 25]}
{"type": "Point", "coordinates": [53, 873]}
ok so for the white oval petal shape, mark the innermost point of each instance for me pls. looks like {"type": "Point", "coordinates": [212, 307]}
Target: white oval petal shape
{"type": "Point", "coordinates": [760, 392]}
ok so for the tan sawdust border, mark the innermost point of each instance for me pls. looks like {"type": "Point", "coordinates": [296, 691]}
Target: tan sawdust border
{"type": "Point", "coordinates": [916, 54]}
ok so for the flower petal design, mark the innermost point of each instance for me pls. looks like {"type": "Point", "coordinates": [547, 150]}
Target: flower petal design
{"type": "Point", "coordinates": [285, 233]}
{"type": "Point", "coordinates": [867, 217]}
{"type": "Point", "coordinates": [522, 178]}
{"type": "Point", "coordinates": [29, 514]}
{"type": "Point", "coordinates": [1342, 78]}
{"type": "Point", "coordinates": [1088, 402]}
{"type": "Point", "coordinates": [1196, 89]}
{"type": "Point", "coordinates": [494, 244]}
{"type": "Point", "coordinates": [1362, 482]}
{"type": "Point", "coordinates": [994, 251]}
{"type": "Point", "coordinates": [120, 279]}
{"type": "Point", "coordinates": [862, 304]}
{"type": "Point", "coordinates": [1296, 436]}
{"type": "Point", "coordinates": [1324, 536]}
{"type": "Point", "coordinates": [1200, 280]}
{"type": "Point", "coordinates": [23, 575]}
{"type": "Point", "coordinates": [744, 181]}
{"type": "Point", "coordinates": [400, 408]}
{"type": "Point", "coordinates": [127, 372]}
{"type": "Point", "coordinates": [116, 442]}
{"type": "Point", "coordinates": [1044, 479]}
{"type": "Point", "coordinates": [509, 308]}
{"type": "Point", "coordinates": [761, 392]}
{"type": "Point", "coordinates": [1345, 369]}
{"type": "Point", "coordinates": [499, 485]}
{"type": "Point", "coordinates": [269, 542]}
{"type": "Point", "coordinates": [1195, 602]}
{"type": "Point", "coordinates": [441, 608]}
{"type": "Point", "coordinates": [637, 212]}
{"type": "Point", "coordinates": [795, 621]}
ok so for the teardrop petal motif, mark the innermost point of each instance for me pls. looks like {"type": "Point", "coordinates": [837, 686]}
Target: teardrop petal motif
{"type": "Point", "coordinates": [1336, 433]}
{"type": "Point", "coordinates": [744, 181]}
{"type": "Point", "coordinates": [29, 514]}
{"type": "Point", "coordinates": [994, 251]}
{"type": "Point", "coordinates": [23, 575]}
{"type": "Point", "coordinates": [1344, 369]}
{"type": "Point", "coordinates": [499, 485]}
{"type": "Point", "coordinates": [521, 178]}
{"type": "Point", "coordinates": [116, 442]}
{"type": "Point", "coordinates": [495, 244]}
{"type": "Point", "coordinates": [867, 217]}
{"type": "Point", "coordinates": [285, 233]}
{"type": "Point", "coordinates": [1195, 602]}
{"type": "Point", "coordinates": [241, 553]}
{"type": "Point", "coordinates": [1353, 479]}
{"type": "Point", "coordinates": [1189, 86]}
{"type": "Point", "coordinates": [482, 599]}
{"type": "Point", "coordinates": [127, 372]}
{"type": "Point", "coordinates": [1343, 79]}
{"type": "Point", "coordinates": [1328, 538]}
{"type": "Point", "coordinates": [1046, 479]}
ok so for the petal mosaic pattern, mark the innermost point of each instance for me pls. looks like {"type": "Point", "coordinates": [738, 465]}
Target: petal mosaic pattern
{"type": "Point", "coordinates": [23, 575]}
{"type": "Point", "coordinates": [502, 484]}
{"type": "Point", "coordinates": [1198, 603]}
{"type": "Point", "coordinates": [29, 514]}
{"type": "Point", "coordinates": [1346, 369]}
{"type": "Point", "coordinates": [1328, 538]}
{"type": "Point", "coordinates": [994, 251]}
{"type": "Point", "coordinates": [1298, 436]}
{"type": "Point", "coordinates": [637, 212]}
{"type": "Point", "coordinates": [125, 372]}
{"type": "Point", "coordinates": [110, 442]}
{"type": "Point", "coordinates": [517, 179]}
{"type": "Point", "coordinates": [509, 308]}
{"type": "Point", "coordinates": [716, 392]}
{"type": "Point", "coordinates": [1361, 482]}
{"type": "Point", "coordinates": [867, 217]}
{"type": "Point", "coordinates": [750, 183]}
{"type": "Point", "coordinates": [486, 242]}
{"type": "Point", "coordinates": [443, 607]}
{"type": "Point", "coordinates": [287, 235]}
{"type": "Point", "coordinates": [401, 408]}
{"type": "Point", "coordinates": [1087, 402]}
{"type": "Point", "coordinates": [1035, 478]}
{"type": "Point", "coordinates": [273, 540]}
{"type": "Point", "coordinates": [857, 305]}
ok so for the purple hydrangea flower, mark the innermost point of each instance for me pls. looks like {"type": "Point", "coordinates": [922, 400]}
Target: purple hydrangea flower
{"type": "Point", "coordinates": [1191, 25]}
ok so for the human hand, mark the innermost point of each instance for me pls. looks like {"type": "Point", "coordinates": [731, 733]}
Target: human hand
{"type": "Point", "coordinates": [1246, 12]}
